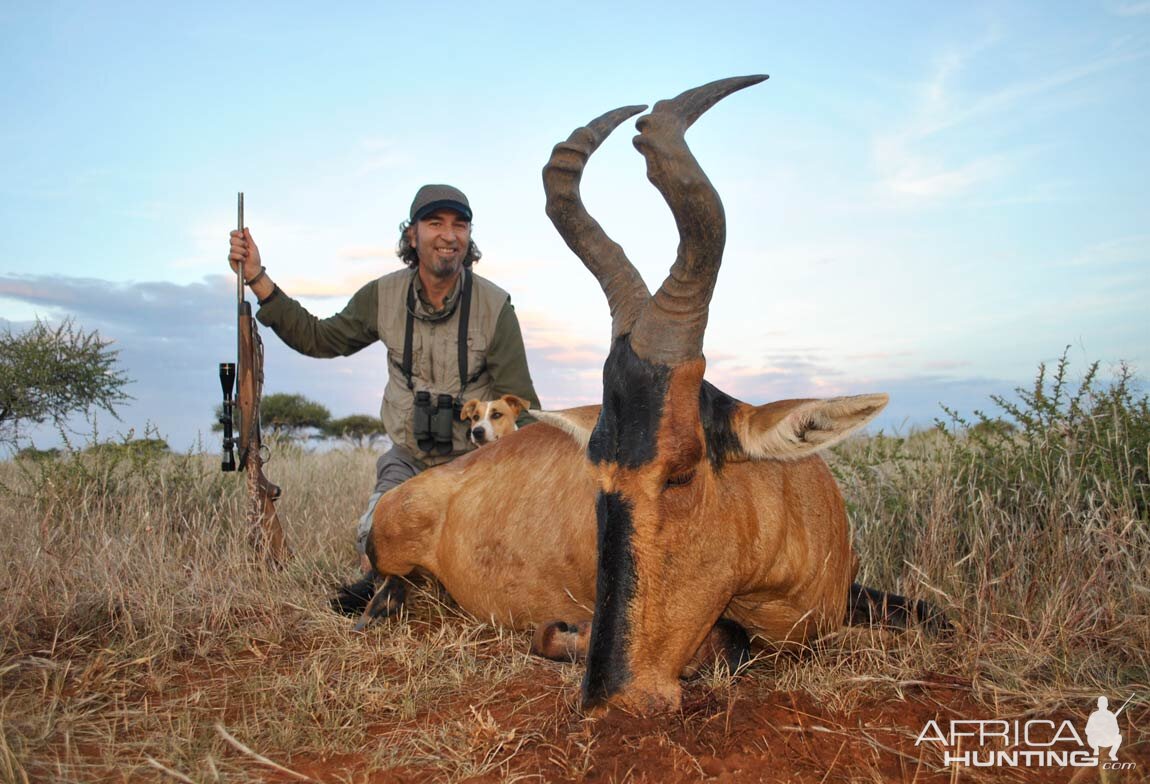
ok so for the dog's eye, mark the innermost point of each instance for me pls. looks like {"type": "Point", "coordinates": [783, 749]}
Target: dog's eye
{"type": "Point", "coordinates": [496, 415]}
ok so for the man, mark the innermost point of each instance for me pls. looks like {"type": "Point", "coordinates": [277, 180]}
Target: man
{"type": "Point", "coordinates": [450, 335]}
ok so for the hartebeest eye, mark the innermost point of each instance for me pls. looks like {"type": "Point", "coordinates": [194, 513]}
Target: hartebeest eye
{"type": "Point", "coordinates": [681, 478]}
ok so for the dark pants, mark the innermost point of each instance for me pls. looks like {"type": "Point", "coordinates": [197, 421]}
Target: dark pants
{"type": "Point", "coordinates": [393, 468]}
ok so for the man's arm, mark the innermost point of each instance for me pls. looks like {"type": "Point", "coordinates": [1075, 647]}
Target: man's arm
{"type": "Point", "coordinates": [507, 360]}
{"type": "Point", "coordinates": [344, 333]}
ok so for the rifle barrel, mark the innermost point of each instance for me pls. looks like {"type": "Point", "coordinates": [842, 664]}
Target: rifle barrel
{"type": "Point", "coordinates": [239, 279]}
{"type": "Point", "coordinates": [240, 226]}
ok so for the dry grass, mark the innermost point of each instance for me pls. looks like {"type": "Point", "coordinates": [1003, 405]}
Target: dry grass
{"type": "Point", "coordinates": [140, 641]}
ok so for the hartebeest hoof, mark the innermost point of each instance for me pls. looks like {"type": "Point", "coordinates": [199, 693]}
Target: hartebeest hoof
{"type": "Point", "coordinates": [353, 598]}
{"type": "Point", "coordinates": [562, 641]}
{"type": "Point", "coordinates": [388, 601]}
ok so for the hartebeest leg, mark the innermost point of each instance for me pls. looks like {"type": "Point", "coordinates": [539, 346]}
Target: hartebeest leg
{"type": "Point", "coordinates": [870, 607]}
{"type": "Point", "coordinates": [727, 642]}
{"type": "Point", "coordinates": [386, 598]}
{"type": "Point", "coordinates": [352, 598]}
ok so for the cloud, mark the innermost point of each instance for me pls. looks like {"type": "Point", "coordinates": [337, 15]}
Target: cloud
{"type": "Point", "coordinates": [367, 253]}
{"type": "Point", "coordinates": [942, 150]}
{"type": "Point", "coordinates": [1119, 251]}
{"type": "Point", "coordinates": [912, 174]}
{"type": "Point", "coordinates": [916, 399]}
{"type": "Point", "coordinates": [377, 154]}
{"type": "Point", "coordinates": [171, 338]}
{"type": "Point", "coordinates": [1131, 9]}
{"type": "Point", "coordinates": [565, 367]}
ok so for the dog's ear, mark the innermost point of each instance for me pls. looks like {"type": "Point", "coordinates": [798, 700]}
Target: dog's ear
{"type": "Point", "coordinates": [517, 404]}
{"type": "Point", "coordinates": [470, 409]}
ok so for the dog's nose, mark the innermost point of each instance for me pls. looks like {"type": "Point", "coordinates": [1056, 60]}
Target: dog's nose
{"type": "Point", "coordinates": [478, 436]}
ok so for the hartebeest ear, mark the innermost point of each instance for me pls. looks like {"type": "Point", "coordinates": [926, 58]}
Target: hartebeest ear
{"type": "Point", "coordinates": [575, 422]}
{"type": "Point", "coordinates": [790, 429]}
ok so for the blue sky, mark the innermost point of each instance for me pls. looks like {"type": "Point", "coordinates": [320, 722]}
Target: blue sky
{"type": "Point", "coordinates": [924, 199]}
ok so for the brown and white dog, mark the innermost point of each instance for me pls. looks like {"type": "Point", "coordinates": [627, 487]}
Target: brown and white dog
{"type": "Point", "coordinates": [492, 419]}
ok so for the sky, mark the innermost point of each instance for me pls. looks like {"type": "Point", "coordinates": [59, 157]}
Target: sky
{"type": "Point", "coordinates": [924, 199]}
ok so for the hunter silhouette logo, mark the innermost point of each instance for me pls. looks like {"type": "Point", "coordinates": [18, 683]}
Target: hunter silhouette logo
{"type": "Point", "coordinates": [1102, 728]}
{"type": "Point", "coordinates": [1046, 743]}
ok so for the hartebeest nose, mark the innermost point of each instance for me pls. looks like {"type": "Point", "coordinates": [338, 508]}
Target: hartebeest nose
{"type": "Point", "coordinates": [649, 700]}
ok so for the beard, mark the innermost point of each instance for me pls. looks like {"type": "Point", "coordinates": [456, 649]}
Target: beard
{"type": "Point", "coordinates": [444, 268]}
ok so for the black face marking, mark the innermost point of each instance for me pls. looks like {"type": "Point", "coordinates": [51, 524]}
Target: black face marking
{"type": "Point", "coordinates": [633, 394]}
{"type": "Point", "coordinates": [717, 410]}
{"type": "Point", "coordinates": [615, 588]}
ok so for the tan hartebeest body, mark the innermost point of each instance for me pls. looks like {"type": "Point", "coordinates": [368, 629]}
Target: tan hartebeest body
{"type": "Point", "coordinates": [667, 508]}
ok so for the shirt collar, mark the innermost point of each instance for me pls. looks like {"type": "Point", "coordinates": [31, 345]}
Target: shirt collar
{"type": "Point", "coordinates": [423, 307]}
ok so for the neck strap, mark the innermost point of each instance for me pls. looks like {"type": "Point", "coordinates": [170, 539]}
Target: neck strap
{"type": "Point", "coordinates": [464, 319]}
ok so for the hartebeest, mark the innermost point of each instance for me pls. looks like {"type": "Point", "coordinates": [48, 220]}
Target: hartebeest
{"type": "Point", "coordinates": [699, 512]}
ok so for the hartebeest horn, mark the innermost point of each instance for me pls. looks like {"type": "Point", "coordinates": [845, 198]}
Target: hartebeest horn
{"type": "Point", "coordinates": [670, 330]}
{"type": "Point", "coordinates": [626, 292]}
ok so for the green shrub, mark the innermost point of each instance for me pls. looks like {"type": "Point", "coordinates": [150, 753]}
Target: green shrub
{"type": "Point", "coordinates": [1031, 522]}
{"type": "Point", "coordinates": [1088, 447]}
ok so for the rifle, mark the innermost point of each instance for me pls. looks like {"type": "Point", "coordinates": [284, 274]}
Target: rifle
{"type": "Point", "coordinates": [266, 531]}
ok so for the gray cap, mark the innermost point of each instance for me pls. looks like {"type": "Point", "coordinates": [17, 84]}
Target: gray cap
{"type": "Point", "coordinates": [430, 198]}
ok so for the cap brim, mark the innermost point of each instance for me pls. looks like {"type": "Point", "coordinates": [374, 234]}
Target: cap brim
{"type": "Point", "coordinates": [442, 204]}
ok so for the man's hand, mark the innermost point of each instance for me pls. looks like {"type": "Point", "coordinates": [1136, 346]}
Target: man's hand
{"type": "Point", "coordinates": [244, 251]}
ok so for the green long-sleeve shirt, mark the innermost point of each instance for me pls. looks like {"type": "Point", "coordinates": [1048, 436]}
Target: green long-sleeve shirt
{"type": "Point", "coordinates": [356, 326]}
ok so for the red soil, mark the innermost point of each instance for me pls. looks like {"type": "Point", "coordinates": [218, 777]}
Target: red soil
{"type": "Point", "coordinates": [772, 736]}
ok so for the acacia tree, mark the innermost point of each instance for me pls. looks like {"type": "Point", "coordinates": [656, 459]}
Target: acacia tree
{"type": "Point", "coordinates": [358, 429]}
{"type": "Point", "coordinates": [49, 373]}
{"type": "Point", "coordinates": [284, 415]}
{"type": "Point", "coordinates": [290, 415]}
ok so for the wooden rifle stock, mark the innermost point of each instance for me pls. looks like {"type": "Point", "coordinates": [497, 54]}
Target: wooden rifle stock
{"type": "Point", "coordinates": [263, 521]}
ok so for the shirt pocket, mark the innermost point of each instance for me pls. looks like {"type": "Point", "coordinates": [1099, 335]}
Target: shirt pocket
{"type": "Point", "coordinates": [395, 357]}
{"type": "Point", "coordinates": [476, 355]}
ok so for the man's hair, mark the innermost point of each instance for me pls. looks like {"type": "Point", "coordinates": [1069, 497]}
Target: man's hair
{"type": "Point", "coordinates": [406, 251]}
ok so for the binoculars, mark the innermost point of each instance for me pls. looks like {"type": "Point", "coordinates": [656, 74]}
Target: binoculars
{"type": "Point", "coordinates": [433, 422]}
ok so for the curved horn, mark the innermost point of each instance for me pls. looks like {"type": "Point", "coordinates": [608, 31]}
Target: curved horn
{"type": "Point", "coordinates": [626, 292]}
{"type": "Point", "coordinates": [671, 329]}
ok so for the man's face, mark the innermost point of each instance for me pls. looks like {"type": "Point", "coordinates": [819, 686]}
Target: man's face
{"type": "Point", "coordinates": [441, 239]}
